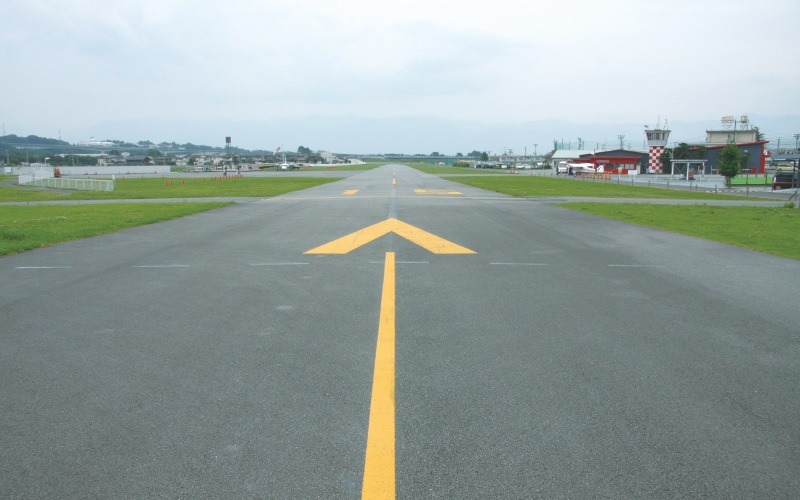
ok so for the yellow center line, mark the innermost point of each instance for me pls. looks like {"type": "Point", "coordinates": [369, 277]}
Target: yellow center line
{"type": "Point", "coordinates": [351, 191]}
{"type": "Point", "coordinates": [379, 466]}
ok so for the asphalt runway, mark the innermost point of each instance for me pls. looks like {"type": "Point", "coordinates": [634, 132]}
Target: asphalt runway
{"type": "Point", "coordinates": [569, 356]}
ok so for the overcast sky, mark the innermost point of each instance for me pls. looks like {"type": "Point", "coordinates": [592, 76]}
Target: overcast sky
{"type": "Point", "coordinates": [71, 65]}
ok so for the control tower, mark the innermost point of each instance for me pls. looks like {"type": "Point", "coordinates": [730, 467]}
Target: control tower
{"type": "Point", "coordinates": [656, 142]}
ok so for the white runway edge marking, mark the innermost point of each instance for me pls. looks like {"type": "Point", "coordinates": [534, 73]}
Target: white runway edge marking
{"type": "Point", "coordinates": [636, 265]}
{"type": "Point", "coordinates": [516, 264]}
{"type": "Point", "coordinates": [755, 267]}
{"type": "Point", "coordinates": [43, 267]}
{"type": "Point", "coordinates": [279, 264]}
{"type": "Point", "coordinates": [161, 266]}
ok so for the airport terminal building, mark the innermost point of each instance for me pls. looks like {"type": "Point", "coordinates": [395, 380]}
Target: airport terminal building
{"type": "Point", "coordinates": [626, 161]}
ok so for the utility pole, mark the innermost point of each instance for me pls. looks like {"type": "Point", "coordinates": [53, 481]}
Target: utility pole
{"type": "Point", "coordinates": [796, 140]}
{"type": "Point", "coordinates": [621, 141]}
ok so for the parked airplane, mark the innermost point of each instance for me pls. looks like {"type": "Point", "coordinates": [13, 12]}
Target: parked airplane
{"type": "Point", "coordinates": [285, 165]}
{"type": "Point", "coordinates": [565, 167]}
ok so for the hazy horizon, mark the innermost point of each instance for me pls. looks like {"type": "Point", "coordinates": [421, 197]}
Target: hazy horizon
{"type": "Point", "coordinates": [405, 74]}
{"type": "Point", "coordinates": [407, 135]}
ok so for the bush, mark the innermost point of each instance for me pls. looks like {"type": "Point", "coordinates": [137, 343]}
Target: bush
{"type": "Point", "coordinates": [730, 162]}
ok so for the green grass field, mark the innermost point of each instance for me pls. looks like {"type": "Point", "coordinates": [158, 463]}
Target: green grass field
{"type": "Point", "coordinates": [440, 170]}
{"type": "Point", "coordinates": [752, 180]}
{"type": "Point", "coordinates": [133, 187]}
{"type": "Point", "coordinates": [8, 194]}
{"type": "Point", "coordinates": [773, 230]}
{"type": "Point", "coordinates": [28, 227]}
{"type": "Point", "coordinates": [766, 229]}
{"type": "Point", "coordinates": [523, 186]}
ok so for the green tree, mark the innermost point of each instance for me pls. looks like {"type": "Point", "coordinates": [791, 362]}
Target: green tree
{"type": "Point", "coordinates": [700, 152]}
{"type": "Point", "coordinates": [666, 160]}
{"type": "Point", "coordinates": [484, 156]}
{"type": "Point", "coordinates": [730, 162]}
{"type": "Point", "coordinates": [302, 150]}
{"type": "Point", "coordinates": [681, 152]}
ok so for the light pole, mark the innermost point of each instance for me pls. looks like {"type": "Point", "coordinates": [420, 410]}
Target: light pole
{"type": "Point", "coordinates": [796, 180]}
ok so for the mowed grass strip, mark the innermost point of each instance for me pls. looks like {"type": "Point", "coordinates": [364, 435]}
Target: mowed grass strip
{"type": "Point", "coordinates": [24, 228]}
{"type": "Point", "coordinates": [8, 194]}
{"type": "Point", "coordinates": [523, 186]}
{"type": "Point", "coordinates": [343, 166]}
{"type": "Point", "coordinates": [771, 230]}
{"type": "Point", "coordinates": [134, 187]}
{"type": "Point", "coordinates": [752, 180]}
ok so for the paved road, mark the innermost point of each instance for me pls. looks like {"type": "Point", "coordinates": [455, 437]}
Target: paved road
{"type": "Point", "coordinates": [571, 356]}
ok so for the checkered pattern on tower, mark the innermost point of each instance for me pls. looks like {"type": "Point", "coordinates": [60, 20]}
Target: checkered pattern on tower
{"type": "Point", "coordinates": [654, 164]}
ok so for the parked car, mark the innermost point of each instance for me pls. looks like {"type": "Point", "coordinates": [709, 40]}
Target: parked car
{"type": "Point", "coordinates": [784, 180]}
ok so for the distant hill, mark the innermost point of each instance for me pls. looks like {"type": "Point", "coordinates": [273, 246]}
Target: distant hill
{"type": "Point", "coordinates": [31, 141]}
{"type": "Point", "coordinates": [45, 145]}
{"type": "Point", "coordinates": [370, 135]}
{"type": "Point", "coordinates": [348, 134]}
